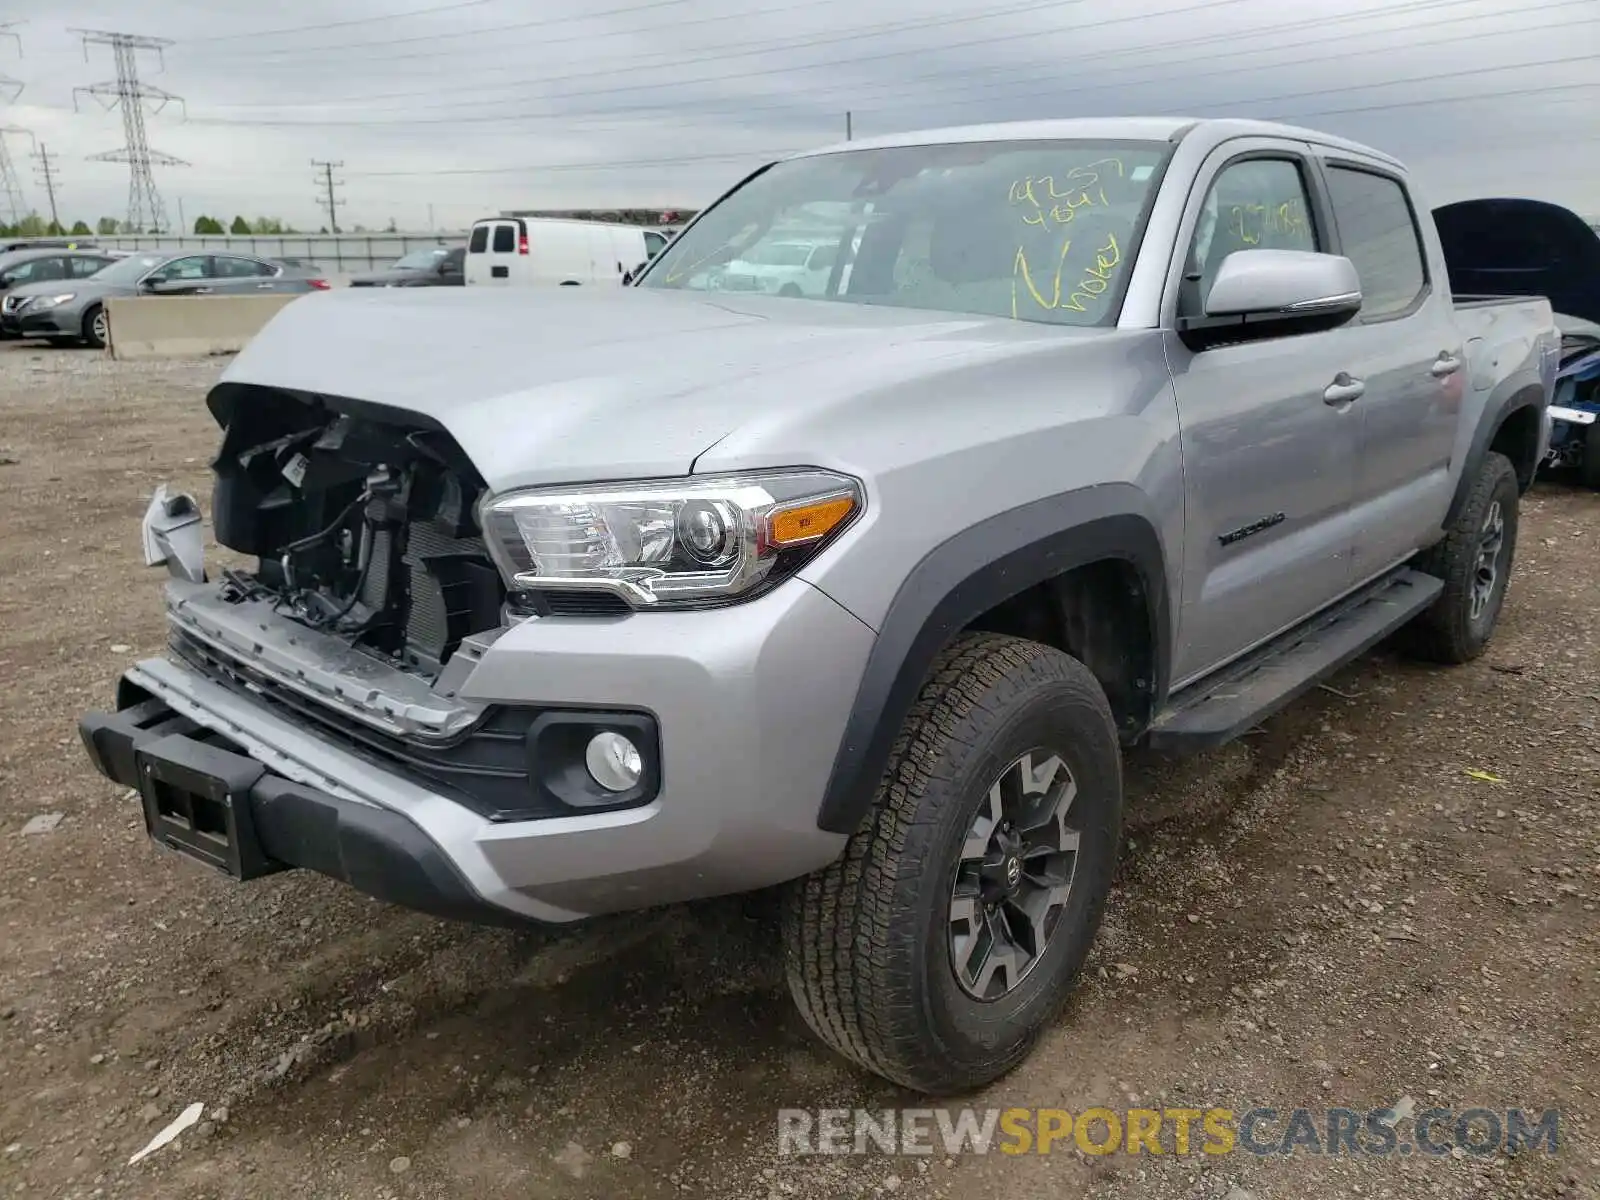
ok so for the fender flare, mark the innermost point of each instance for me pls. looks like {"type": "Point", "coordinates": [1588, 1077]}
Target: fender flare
{"type": "Point", "coordinates": [1496, 413]}
{"type": "Point", "coordinates": [966, 576]}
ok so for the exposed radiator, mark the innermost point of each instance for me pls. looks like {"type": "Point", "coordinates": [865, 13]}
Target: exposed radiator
{"type": "Point", "coordinates": [442, 600]}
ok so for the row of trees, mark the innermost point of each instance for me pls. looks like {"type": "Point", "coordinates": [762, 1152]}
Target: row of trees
{"type": "Point", "coordinates": [33, 225]}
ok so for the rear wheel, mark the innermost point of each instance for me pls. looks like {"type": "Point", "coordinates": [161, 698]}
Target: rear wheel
{"type": "Point", "coordinates": [789, 289]}
{"type": "Point", "coordinates": [951, 931]}
{"type": "Point", "coordinates": [96, 327]}
{"type": "Point", "coordinates": [1474, 560]}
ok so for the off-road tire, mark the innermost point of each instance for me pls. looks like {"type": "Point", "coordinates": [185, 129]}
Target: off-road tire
{"type": "Point", "coordinates": [1590, 465]}
{"type": "Point", "coordinates": [90, 337]}
{"type": "Point", "coordinates": [1446, 632]}
{"type": "Point", "coordinates": [866, 940]}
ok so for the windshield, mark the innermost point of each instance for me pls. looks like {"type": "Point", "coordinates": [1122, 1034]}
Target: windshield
{"type": "Point", "coordinates": [1035, 231]}
{"type": "Point", "coordinates": [129, 270]}
{"type": "Point", "coordinates": [777, 254]}
{"type": "Point", "coordinates": [419, 260]}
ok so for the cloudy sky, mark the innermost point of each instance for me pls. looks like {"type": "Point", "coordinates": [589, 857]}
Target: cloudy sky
{"type": "Point", "coordinates": [467, 107]}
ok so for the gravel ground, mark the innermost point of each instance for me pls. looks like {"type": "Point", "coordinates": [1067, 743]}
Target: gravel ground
{"type": "Point", "coordinates": [1387, 893]}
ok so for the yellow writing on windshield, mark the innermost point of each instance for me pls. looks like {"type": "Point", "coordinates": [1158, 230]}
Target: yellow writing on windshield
{"type": "Point", "coordinates": [1254, 222]}
{"type": "Point", "coordinates": [1051, 199]}
{"type": "Point", "coordinates": [1096, 279]}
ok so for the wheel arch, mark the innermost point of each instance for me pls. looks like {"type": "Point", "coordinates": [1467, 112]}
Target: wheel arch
{"type": "Point", "coordinates": [1064, 559]}
{"type": "Point", "coordinates": [1513, 425]}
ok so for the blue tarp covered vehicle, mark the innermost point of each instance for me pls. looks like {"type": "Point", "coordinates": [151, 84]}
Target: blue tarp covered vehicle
{"type": "Point", "coordinates": [1532, 248]}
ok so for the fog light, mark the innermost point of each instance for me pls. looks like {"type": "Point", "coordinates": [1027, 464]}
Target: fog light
{"type": "Point", "coordinates": [614, 762]}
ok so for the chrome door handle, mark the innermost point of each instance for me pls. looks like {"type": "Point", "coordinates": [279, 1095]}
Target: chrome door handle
{"type": "Point", "coordinates": [1344, 389]}
{"type": "Point", "coordinates": [1445, 365]}
{"type": "Point", "coordinates": [264, 287]}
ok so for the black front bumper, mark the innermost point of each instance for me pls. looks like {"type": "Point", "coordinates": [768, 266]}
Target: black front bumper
{"type": "Point", "coordinates": [207, 800]}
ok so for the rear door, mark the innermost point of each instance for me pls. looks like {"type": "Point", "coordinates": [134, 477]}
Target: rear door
{"type": "Point", "coordinates": [497, 252]}
{"type": "Point", "coordinates": [236, 275]}
{"type": "Point", "coordinates": [1411, 357]}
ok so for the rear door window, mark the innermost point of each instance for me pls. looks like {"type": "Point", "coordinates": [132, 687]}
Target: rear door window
{"type": "Point", "coordinates": [480, 239]}
{"type": "Point", "coordinates": [1378, 233]}
{"type": "Point", "coordinates": [82, 268]}
{"type": "Point", "coordinates": [505, 238]}
{"type": "Point", "coordinates": [228, 267]}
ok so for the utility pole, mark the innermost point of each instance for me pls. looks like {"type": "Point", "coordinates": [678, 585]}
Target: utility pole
{"type": "Point", "coordinates": [47, 176]}
{"type": "Point", "coordinates": [331, 201]}
{"type": "Point", "coordinates": [133, 96]}
{"type": "Point", "coordinates": [10, 185]}
{"type": "Point", "coordinates": [849, 125]}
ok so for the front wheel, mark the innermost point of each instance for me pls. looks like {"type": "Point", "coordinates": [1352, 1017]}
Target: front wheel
{"type": "Point", "coordinates": [96, 327]}
{"type": "Point", "coordinates": [952, 929]}
{"type": "Point", "coordinates": [1474, 560]}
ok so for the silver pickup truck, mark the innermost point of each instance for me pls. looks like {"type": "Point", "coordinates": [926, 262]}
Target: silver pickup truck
{"type": "Point", "coordinates": [1094, 435]}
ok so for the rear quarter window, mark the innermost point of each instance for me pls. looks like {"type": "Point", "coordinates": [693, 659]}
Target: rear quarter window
{"type": "Point", "coordinates": [480, 239]}
{"type": "Point", "coordinates": [505, 239]}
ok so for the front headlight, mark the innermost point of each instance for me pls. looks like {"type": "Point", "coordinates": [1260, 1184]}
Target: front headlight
{"type": "Point", "coordinates": [677, 543]}
{"type": "Point", "coordinates": [52, 301]}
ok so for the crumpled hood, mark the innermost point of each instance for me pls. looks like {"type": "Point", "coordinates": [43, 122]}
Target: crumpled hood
{"type": "Point", "coordinates": [562, 385]}
{"type": "Point", "coordinates": [1520, 247]}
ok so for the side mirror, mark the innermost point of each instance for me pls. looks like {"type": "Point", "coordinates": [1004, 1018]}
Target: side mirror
{"type": "Point", "coordinates": [1273, 293]}
{"type": "Point", "coordinates": [629, 276]}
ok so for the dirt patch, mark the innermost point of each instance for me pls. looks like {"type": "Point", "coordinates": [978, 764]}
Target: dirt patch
{"type": "Point", "coordinates": [1388, 892]}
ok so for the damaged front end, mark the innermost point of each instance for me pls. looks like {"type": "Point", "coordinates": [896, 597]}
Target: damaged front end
{"type": "Point", "coordinates": [372, 593]}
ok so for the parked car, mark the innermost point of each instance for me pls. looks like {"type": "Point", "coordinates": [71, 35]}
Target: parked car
{"type": "Point", "coordinates": [437, 266]}
{"type": "Point", "coordinates": [19, 267]}
{"type": "Point", "coordinates": [1113, 433]}
{"type": "Point", "coordinates": [541, 250]}
{"type": "Point", "coordinates": [782, 268]}
{"type": "Point", "coordinates": [70, 313]}
{"type": "Point", "coordinates": [46, 243]}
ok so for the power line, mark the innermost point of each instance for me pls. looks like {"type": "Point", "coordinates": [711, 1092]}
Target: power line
{"type": "Point", "coordinates": [942, 76]}
{"type": "Point", "coordinates": [482, 31]}
{"type": "Point", "coordinates": [1116, 77]}
{"type": "Point", "coordinates": [131, 95]}
{"type": "Point", "coordinates": [419, 12]}
{"type": "Point", "coordinates": [329, 184]}
{"type": "Point", "coordinates": [758, 154]}
{"type": "Point", "coordinates": [47, 176]}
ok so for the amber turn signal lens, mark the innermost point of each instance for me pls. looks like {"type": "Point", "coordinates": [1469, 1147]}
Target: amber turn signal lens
{"type": "Point", "coordinates": [808, 522]}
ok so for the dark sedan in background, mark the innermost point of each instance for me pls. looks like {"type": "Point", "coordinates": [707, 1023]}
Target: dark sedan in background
{"type": "Point", "coordinates": [71, 311]}
{"type": "Point", "coordinates": [437, 266]}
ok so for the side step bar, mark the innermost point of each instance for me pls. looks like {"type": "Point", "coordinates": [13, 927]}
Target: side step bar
{"type": "Point", "coordinates": [1220, 708]}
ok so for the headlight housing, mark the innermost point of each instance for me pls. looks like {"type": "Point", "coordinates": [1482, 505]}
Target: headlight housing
{"type": "Point", "coordinates": [51, 301]}
{"type": "Point", "coordinates": [669, 543]}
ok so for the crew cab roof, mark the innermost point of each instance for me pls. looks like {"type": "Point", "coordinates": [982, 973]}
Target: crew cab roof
{"type": "Point", "coordinates": [1104, 129]}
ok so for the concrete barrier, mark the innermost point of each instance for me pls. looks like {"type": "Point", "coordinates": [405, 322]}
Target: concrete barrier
{"type": "Point", "coordinates": [147, 327]}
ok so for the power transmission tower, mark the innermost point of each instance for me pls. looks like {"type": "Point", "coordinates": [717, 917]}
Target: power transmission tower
{"type": "Point", "coordinates": [47, 176]}
{"type": "Point", "coordinates": [10, 185]}
{"type": "Point", "coordinates": [145, 209]}
{"type": "Point", "coordinates": [329, 200]}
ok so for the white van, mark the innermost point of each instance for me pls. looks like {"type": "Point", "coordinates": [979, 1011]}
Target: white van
{"type": "Point", "coordinates": [543, 250]}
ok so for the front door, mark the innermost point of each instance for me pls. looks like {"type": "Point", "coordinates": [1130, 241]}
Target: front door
{"type": "Point", "coordinates": [1269, 441]}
